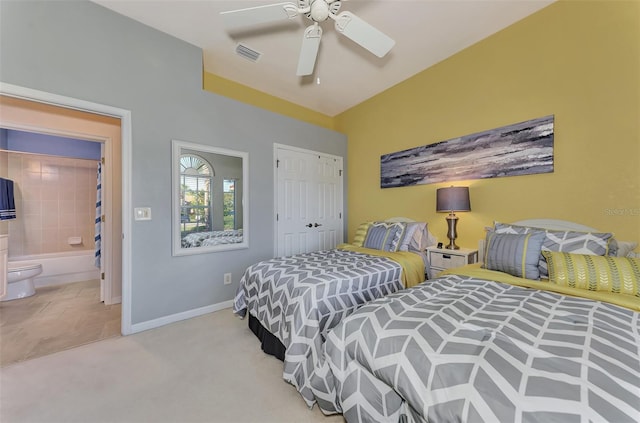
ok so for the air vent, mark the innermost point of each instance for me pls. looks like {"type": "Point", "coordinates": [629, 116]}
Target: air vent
{"type": "Point", "coordinates": [247, 53]}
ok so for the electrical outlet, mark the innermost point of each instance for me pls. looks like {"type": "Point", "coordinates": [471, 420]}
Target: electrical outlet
{"type": "Point", "coordinates": [227, 278]}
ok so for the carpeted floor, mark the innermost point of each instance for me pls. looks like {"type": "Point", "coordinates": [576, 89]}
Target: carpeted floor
{"type": "Point", "coordinates": [205, 369]}
{"type": "Point", "coordinates": [56, 318]}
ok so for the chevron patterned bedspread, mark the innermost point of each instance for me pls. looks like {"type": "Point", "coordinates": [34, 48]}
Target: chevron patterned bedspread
{"type": "Point", "coordinates": [471, 350]}
{"type": "Point", "coordinates": [299, 298]}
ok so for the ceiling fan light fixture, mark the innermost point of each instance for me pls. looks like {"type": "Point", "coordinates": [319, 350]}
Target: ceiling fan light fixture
{"type": "Point", "coordinates": [319, 11]}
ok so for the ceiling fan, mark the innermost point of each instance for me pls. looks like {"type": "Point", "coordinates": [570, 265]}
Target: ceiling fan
{"type": "Point", "coordinates": [318, 11]}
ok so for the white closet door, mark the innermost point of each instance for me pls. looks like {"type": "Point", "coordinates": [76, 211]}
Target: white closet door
{"type": "Point", "coordinates": [328, 221]}
{"type": "Point", "coordinates": [309, 201]}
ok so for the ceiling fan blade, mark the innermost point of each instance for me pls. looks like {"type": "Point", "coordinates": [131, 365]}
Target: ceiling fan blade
{"type": "Point", "coordinates": [259, 15]}
{"type": "Point", "coordinates": [309, 50]}
{"type": "Point", "coordinates": [363, 33]}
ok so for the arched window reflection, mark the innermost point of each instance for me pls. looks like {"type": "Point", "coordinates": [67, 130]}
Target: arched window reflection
{"type": "Point", "coordinates": [196, 180]}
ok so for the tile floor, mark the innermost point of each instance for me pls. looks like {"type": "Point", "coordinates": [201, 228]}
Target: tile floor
{"type": "Point", "coordinates": [55, 319]}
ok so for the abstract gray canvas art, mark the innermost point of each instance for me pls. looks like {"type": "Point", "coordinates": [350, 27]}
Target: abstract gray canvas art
{"type": "Point", "coordinates": [520, 149]}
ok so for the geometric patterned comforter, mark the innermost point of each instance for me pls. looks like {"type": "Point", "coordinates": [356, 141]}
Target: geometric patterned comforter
{"type": "Point", "coordinates": [299, 298]}
{"type": "Point", "coordinates": [471, 350]}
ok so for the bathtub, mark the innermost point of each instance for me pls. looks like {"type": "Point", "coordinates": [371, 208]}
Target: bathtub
{"type": "Point", "coordinates": [61, 268]}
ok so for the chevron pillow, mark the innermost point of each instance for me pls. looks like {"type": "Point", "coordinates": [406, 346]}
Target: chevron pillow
{"type": "Point", "coordinates": [384, 236]}
{"type": "Point", "coordinates": [516, 255]}
{"type": "Point", "coordinates": [595, 273]}
{"type": "Point", "coordinates": [593, 243]}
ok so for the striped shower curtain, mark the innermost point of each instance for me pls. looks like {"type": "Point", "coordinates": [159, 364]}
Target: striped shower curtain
{"type": "Point", "coordinates": [98, 229]}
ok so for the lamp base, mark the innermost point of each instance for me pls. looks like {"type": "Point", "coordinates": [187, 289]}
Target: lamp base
{"type": "Point", "coordinates": [452, 222]}
{"type": "Point", "coordinates": [452, 245]}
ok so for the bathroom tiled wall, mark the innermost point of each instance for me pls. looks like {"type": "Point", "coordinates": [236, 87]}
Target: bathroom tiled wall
{"type": "Point", "coordinates": [55, 199]}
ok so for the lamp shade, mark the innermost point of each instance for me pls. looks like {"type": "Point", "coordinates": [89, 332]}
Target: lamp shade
{"type": "Point", "coordinates": [453, 199]}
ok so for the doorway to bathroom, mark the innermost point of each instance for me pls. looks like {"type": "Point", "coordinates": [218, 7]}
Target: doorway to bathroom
{"type": "Point", "coordinates": [58, 197]}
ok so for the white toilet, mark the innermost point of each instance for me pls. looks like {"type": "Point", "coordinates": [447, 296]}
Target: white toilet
{"type": "Point", "coordinates": [20, 279]}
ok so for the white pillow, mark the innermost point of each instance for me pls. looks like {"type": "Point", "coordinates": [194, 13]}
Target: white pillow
{"type": "Point", "coordinates": [417, 237]}
{"type": "Point", "coordinates": [625, 247]}
{"type": "Point", "coordinates": [414, 229]}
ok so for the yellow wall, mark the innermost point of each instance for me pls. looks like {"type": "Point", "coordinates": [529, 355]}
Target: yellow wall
{"type": "Point", "coordinates": [577, 60]}
{"type": "Point", "coordinates": [227, 88]}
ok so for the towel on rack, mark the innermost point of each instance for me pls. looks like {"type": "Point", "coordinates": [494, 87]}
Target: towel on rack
{"type": "Point", "coordinates": [7, 202]}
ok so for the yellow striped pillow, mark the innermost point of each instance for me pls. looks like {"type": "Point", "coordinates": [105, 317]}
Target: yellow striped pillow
{"type": "Point", "coordinates": [361, 233]}
{"type": "Point", "coordinates": [594, 273]}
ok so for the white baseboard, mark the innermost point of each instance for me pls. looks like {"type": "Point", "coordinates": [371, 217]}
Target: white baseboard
{"type": "Point", "coordinates": [155, 323]}
{"type": "Point", "coordinates": [114, 300]}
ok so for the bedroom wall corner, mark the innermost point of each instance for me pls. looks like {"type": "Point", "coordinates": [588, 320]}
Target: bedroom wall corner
{"type": "Point", "coordinates": [231, 89]}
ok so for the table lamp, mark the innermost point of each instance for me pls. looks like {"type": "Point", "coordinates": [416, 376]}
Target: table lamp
{"type": "Point", "coordinates": [451, 200]}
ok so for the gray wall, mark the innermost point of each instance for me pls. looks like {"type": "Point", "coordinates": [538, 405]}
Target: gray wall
{"type": "Point", "coordinates": [82, 50]}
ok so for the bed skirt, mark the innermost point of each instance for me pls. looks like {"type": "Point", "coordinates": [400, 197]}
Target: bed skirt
{"type": "Point", "coordinates": [269, 343]}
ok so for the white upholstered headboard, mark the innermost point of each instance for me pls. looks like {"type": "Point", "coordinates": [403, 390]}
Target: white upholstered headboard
{"type": "Point", "coordinates": [399, 219]}
{"type": "Point", "coordinates": [554, 224]}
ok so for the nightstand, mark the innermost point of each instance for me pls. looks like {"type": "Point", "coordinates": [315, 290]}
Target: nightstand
{"type": "Point", "coordinates": [442, 258]}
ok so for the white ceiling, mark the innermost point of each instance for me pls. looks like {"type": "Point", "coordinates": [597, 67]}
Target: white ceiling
{"type": "Point", "coordinates": [425, 32]}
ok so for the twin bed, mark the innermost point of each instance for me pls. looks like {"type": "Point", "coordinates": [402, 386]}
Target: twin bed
{"type": "Point", "coordinates": [207, 239]}
{"type": "Point", "coordinates": [490, 342]}
{"type": "Point", "coordinates": [292, 302]}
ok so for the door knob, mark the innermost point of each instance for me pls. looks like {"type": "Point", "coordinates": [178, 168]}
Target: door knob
{"type": "Point", "coordinates": [309, 225]}
{"type": "Point", "coordinates": [317, 224]}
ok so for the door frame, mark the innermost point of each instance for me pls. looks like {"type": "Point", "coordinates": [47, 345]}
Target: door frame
{"type": "Point", "coordinates": [124, 115]}
{"type": "Point", "coordinates": [276, 147]}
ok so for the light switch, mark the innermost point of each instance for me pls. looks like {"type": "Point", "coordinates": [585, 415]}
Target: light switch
{"type": "Point", "coordinates": [142, 213]}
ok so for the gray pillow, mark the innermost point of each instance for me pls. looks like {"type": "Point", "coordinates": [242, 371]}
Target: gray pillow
{"type": "Point", "coordinates": [515, 254]}
{"type": "Point", "coordinates": [384, 236]}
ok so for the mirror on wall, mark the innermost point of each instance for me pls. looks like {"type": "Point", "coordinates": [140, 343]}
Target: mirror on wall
{"type": "Point", "coordinates": [209, 199]}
